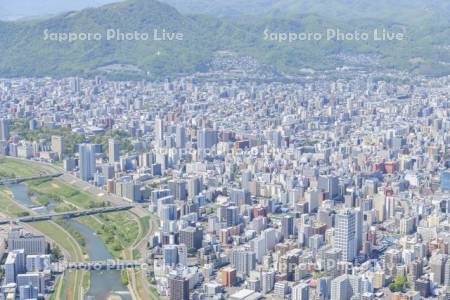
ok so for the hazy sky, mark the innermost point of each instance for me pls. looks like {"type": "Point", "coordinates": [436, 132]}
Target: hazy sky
{"type": "Point", "coordinates": [14, 9]}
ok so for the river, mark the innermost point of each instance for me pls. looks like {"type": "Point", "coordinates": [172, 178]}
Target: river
{"type": "Point", "coordinates": [103, 283]}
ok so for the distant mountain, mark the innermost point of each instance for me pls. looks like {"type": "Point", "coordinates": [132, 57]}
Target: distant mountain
{"type": "Point", "coordinates": [30, 49]}
{"type": "Point", "coordinates": [224, 8]}
{"type": "Point", "coordinates": [392, 10]}
{"type": "Point", "coordinates": [12, 10]}
{"type": "Point", "coordinates": [26, 50]}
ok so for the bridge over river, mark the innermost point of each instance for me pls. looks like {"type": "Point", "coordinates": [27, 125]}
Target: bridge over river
{"type": "Point", "coordinates": [67, 215]}
{"type": "Point", "coordinates": [15, 180]}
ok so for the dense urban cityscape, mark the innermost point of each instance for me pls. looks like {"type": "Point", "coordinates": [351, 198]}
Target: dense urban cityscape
{"type": "Point", "coordinates": [210, 188]}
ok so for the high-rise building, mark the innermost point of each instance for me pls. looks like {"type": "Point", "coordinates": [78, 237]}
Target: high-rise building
{"type": "Point", "coordinates": [178, 288]}
{"type": "Point", "coordinates": [14, 265]}
{"type": "Point", "coordinates": [178, 188]}
{"type": "Point", "coordinates": [170, 255]}
{"type": "Point", "coordinates": [228, 277]}
{"type": "Point", "coordinates": [180, 137]}
{"type": "Point", "coordinates": [35, 279]}
{"type": "Point", "coordinates": [232, 215]}
{"type": "Point", "coordinates": [445, 181]}
{"type": "Point", "coordinates": [330, 185]}
{"type": "Point", "coordinates": [240, 197]}
{"type": "Point", "coordinates": [244, 261]}
{"type": "Point", "coordinates": [75, 85]}
{"type": "Point", "coordinates": [447, 273]}
{"type": "Point", "coordinates": [206, 138]}
{"type": "Point", "coordinates": [28, 292]}
{"type": "Point", "coordinates": [86, 162]}
{"type": "Point", "coordinates": [345, 286]}
{"type": "Point", "coordinates": [437, 265]}
{"type": "Point", "coordinates": [345, 234]}
{"type": "Point", "coordinates": [192, 237]}
{"type": "Point", "coordinates": [159, 130]}
{"type": "Point", "coordinates": [300, 292]}
{"type": "Point", "coordinates": [58, 145]}
{"type": "Point", "coordinates": [194, 187]}
{"type": "Point", "coordinates": [423, 286]}
{"type": "Point", "coordinates": [287, 226]}
{"type": "Point", "coordinates": [32, 244]}
{"type": "Point", "coordinates": [359, 225]}
{"type": "Point", "coordinates": [267, 281]}
{"type": "Point", "coordinates": [4, 129]}
{"type": "Point", "coordinates": [37, 263]}
{"type": "Point", "coordinates": [323, 288]}
{"type": "Point", "coordinates": [113, 151]}
{"type": "Point", "coordinates": [132, 190]}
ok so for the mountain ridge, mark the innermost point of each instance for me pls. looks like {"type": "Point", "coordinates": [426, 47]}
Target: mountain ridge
{"type": "Point", "coordinates": [26, 52]}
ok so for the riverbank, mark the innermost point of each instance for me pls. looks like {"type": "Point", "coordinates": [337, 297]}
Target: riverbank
{"type": "Point", "coordinates": [121, 232]}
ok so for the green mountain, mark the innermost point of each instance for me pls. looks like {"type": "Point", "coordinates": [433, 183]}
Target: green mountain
{"type": "Point", "coordinates": [30, 49]}
{"type": "Point", "coordinates": [31, 8]}
{"type": "Point", "coordinates": [392, 10]}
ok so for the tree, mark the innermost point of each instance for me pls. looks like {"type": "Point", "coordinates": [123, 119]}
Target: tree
{"type": "Point", "coordinates": [400, 284]}
{"type": "Point", "coordinates": [56, 253]}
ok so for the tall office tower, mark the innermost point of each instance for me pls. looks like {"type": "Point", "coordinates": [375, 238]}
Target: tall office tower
{"type": "Point", "coordinates": [330, 185]}
{"type": "Point", "coordinates": [178, 189]}
{"type": "Point", "coordinates": [194, 187]}
{"type": "Point", "coordinates": [445, 181]}
{"type": "Point", "coordinates": [75, 85]}
{"type": "Point", "coordinates": [437, 265]}
{"type": "Point", "coordinates": [270, 235]}
{"type": "Point", "coordinates": [323, 288]}
{"type": "Point", "coordinates": [168, 212]}
{"type": "Point", "coordinates": [447, 273]}
{"type": "Point", "coordinates": [159, 130]}
{"type": "Point", "coordinates": [276, 138]}
{"type": "Point", "coordinates": [228, 276]}
{"type": "Point", "coordinates": [240, 197]}
{"type": "Point", "coordinates": [359, 226]}
{"type": "Point", "coordinates": [232, 215]}
{"type": "Point", "coordinates": [14, 265]}
{"type": "Point", "coordinates": [192, 237]}
{"type": "Point", "coordinates": [267, 281]}
{"type": "Point", "coordinates": [86, 163]}
{"type": "Point", "coordinates": [58, 145]}
{"type": "Point", "coordinates": [300, 292]}
{"type": "Point", "coordinates": [206, 138]}
{"type": "Point", "coordinates": [287, 226]}
{"type": "Point", "coordinates": [244, 261]}
{"type": "Point", "coordinates": [340, 288]}
{"type": "Point", "coordinates": [345, 286]}
{"type": "Point", "coordinates": [170, 255]}
{"type": "Point", "coordinates": [259, 247]}
{"type": "Point", "coordinates": [113, 151]}
{"type": "Point", "coordinates": [180, 137]}
{"type": "Point", "coordinates": [159, 194]}
{"type": "Point", "coordinates": [4, 130]}
{"type": "Point", "coordinates": [345, 234]}
{"type": "Point", "coordinates": [178, 288]}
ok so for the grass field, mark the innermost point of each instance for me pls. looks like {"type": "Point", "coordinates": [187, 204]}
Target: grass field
{"type": "Point", "coordinates": [118, 230]}
{"type": "Point", "coordinates": [10, 167]}
{"type": "Point", "coordinates": [63, 193]}
{"type": "Point", "coordinates": [58, 234]}
{"type": "Point", "coordinates": [73, 280]}
{"type": "Point", "coordinates": [8, 206]}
